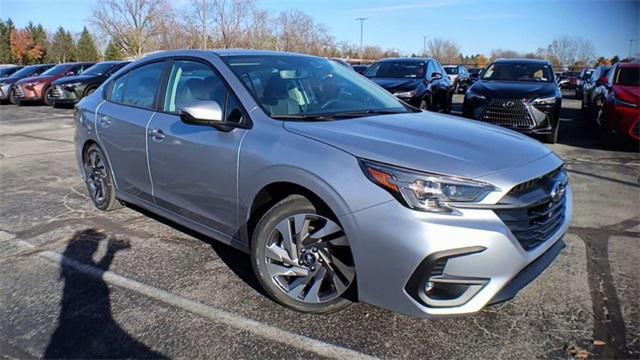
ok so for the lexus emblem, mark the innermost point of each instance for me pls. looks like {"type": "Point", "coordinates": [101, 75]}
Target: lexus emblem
{"type": "Point", "coordinates": [557, 191]}
{"type": "Point", "coordinates": [507, 104]}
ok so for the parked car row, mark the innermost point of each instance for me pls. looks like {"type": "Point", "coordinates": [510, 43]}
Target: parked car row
{"type": "Point", "coordinates": [611, 99]}
{"type": "Point", "coordinates": [54, 85]}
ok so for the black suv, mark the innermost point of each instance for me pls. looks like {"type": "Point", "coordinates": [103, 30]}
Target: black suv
{"type": "Point", "coordinates": [583, 77]}
{"type": "Point", "coordinates": [518, 94]}
{"type": "Point", "coordinates": [69, 90]}
{"type": "Point", "coordinates": [420, 82]}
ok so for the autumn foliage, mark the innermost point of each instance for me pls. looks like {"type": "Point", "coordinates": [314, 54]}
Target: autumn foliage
{"type": "Point", "coordinates": [24, 48]}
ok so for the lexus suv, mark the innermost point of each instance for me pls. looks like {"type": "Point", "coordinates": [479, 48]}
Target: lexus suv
{"type": "Point", "coordinates": [313, 170]}
{"type": "Point", "coordinates": [421, 83]}
{"type": "Point", "coordinates": [70, 89]}
{"type": "Point", "coordinates": [38, 88]}
{"type": "Point", "coordinates": [521, 95]}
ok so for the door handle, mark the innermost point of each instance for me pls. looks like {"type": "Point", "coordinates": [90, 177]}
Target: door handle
{"type": "Point", "coordinates": [104, 121]}
{"type": "Point", "coordinates": [156, 134]}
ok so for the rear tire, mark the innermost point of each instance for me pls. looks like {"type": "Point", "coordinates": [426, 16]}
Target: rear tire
{"type": "Point", "coordinates": [298, 270]}
{"type": "Point", "coordinates": [98, 179]}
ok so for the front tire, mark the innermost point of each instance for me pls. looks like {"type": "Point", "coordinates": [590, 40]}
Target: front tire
{"type": "Point", "coordinates": [553, 137]}
{"type": "Point", "coordinates": [46, 98]}
{"type": "Point", "coordinates": [97, 173]}
{"type": "Point", "coordinates": [302, 258]}
{"type": "Point", "coordinates": [12, 97]}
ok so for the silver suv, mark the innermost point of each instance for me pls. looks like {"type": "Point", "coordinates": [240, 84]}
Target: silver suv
{"type": "Point", "coordinates": [325, 178]}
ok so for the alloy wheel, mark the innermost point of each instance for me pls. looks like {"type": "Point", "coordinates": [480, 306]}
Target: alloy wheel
{"type": "Point", "coordinates": [307, 257]}
{"type": "Point", "coordinates": [96, 176]}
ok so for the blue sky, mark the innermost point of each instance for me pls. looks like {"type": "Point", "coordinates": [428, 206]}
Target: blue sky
{"type": "Point", "coordinates": [476, 26]}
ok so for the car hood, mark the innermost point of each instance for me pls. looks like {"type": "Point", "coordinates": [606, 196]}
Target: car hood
{"type": "Point", "coordinates": [394, 84]}
{"type": "Point", "coordinates": [628, 93]}
{"type": "Point", "coordinates": [36, 78]}
{"type": "Point", "coordinates": [76, 78]}
{"type": "Point", "coordinates": [426, 141]}
{"type": "Point", "coordinates": [10, 80]}
{"type": "Point", "coordinates": [513, 89]}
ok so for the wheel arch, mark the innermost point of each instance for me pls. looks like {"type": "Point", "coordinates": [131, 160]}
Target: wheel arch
{"type": "Point", "coordinates": [274, 192]}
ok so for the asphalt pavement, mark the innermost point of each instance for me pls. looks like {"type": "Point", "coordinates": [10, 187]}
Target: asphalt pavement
{"type": "Point", "coordinates": [77, 282]}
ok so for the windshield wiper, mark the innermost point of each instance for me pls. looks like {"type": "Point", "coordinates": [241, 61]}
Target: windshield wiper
{"type": "Point", "coordinates": [317, 117]}
{"type": "Point", "coordinates": [368, 112]}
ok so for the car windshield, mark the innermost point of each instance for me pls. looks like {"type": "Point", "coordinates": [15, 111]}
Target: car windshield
{"type": "Point", "coordinates": [57, 69]}
{"type": "Point", "coordinates": [309, 88]}
{"type": "Point", "coordinates": [508, 71]}
{"type": "Point", "coordinates": [98, 69]}
{"type": "Point", "coordinates": [396, 69]}
{"type": "Point", "coordinates": [628, 76]}
{"type": "Point", "coordinates": [451, 70]}
{"type": "Point", "coordinates": [27, 70]}
{"type": "Point", "coordinates": [7, 71]}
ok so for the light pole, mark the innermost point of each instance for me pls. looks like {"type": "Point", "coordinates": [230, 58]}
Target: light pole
{"type": "Point", "coordinates": [424, 45]}
{"type": "Point", "coordinates": [361, 32]}
{"type": "Point", "coordinates": [630, 46]}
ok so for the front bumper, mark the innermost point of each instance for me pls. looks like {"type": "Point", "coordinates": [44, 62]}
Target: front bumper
{"type": "Point", "coordinates": [64, 95]}
{"type": "Point", "coordinates": [25, 93]}
{"type": "Point", "coordinates": [392, 243]}
{"type": "Point", "coordinates": [4, 92]}
{"type": "Point", "coordinates": [534, 119]}
{"type": "Point", "coordinates": [624, 120]}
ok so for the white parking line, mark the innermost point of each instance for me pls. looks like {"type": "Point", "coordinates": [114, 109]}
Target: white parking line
{"type": "Point", "coordinates": [257, 328]}
{"type": "Point", "coordinates": [43, 117]}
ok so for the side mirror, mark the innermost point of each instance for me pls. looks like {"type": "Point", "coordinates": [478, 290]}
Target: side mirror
{"type": "Point", "coordinates": [436, 76]}
{"type": "Point", "coordinates": [206, 113]}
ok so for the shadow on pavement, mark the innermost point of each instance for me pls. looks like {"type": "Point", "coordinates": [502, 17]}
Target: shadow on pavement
{"type": "Point", "coordinates": [86, 328]}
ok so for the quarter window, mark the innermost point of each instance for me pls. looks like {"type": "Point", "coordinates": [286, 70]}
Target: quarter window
{"type": "Point", "coordinates": [139, 87]}
{"type": "Point", "coordinates": [191, 82]}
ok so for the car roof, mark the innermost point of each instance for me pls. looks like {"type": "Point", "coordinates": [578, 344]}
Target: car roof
{"type": "Point", "coordinates": [408, 59]}
{"type": "Point", "coordinates": [523, 61]}
{"type": "Point", "coordinates": [629, 65]}
{"type": "Point", "coordinates": [221, 53]}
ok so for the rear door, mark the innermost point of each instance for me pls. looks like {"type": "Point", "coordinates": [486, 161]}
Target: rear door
{"type": "Point", "coordinates": [194, 167]}
{"type": "Point", "coordinates": [121, 124]}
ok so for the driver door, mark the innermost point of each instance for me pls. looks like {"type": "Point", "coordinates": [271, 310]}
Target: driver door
{"type": "Point", "coordinates": [194, 167]}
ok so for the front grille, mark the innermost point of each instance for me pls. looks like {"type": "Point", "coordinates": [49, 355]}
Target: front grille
{"type": "Point", "coordinates": [535, 222]}
{"type": "Point", "coordinates": [56, 92]}
{"type": "Point", "coordinates": [508, 112]}
{"type": "Point", "coordinates": [17, 91]}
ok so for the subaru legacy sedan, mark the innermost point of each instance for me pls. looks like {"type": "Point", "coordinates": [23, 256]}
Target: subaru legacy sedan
{"type": "Point", "coordinates": [338, 191]}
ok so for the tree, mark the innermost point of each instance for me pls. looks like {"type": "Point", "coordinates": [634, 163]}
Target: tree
{"type": "Point", "coordinates": [569, 50]}
{"type": "Point", "coordinates": [86, 49]}
{"type": "Point", "coordinates": [602, 61]}
{"type": "Point", "coordinates": [62, 48]}
{"type": "Point", "coordinates": [6, 56]}
{"type": "Point", "coordinates": [480, 61]}
{"type": "Point", "coordinates": [113, 52]}
{"type": "Point", "coordinates": [39, 36]}
{"type": "Point", "coordinates": [615, 59]}
{"type": "Point", "coordinates": [444, 51]}
{"type": "Point", "coordinates": [24, 49]}
{"type": "Point", "coordinates": [133, 25]}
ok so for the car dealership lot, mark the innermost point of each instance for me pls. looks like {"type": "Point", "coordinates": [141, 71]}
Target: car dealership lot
{"type": "Point", "coordinates": [129, 285]}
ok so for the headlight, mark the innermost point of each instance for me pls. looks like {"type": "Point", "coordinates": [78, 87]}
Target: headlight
{"type": "Point", "coordinates": [544, 101]}
{"type": "Point", "coordinates": [72, 85]}
{"type": "Point", "coordinates": [405, 94]}
{"type": "Point", "coordinates": [425, 191]}
{"type": "Point", "coordinates": [471, 95]}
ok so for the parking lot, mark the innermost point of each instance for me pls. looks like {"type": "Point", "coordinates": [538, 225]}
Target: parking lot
{"type": "Point", "coordinates": [130, 285]}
